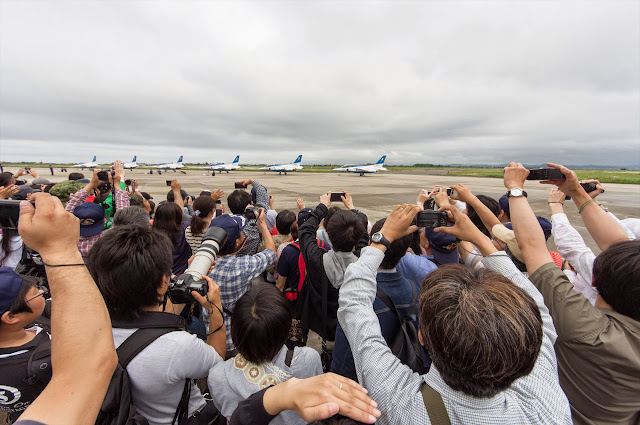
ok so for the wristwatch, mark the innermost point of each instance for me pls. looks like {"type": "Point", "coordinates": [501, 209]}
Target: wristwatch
{"type": "Point", "coordinates": [379, 238]}
{"type": "Point", "coordinates": [516, 192]}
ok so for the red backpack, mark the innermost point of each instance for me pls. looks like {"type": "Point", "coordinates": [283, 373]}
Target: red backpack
{"type": "Point", "coordinates": [291, 293]}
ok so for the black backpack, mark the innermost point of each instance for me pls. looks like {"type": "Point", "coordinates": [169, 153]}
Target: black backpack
{"type": "Point", "coordinates": [117, 407]}
{"type": "Point", "coordinates": [405, 344]}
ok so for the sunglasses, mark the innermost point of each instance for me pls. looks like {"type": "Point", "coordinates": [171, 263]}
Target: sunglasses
{"type": "Point", "coordinates": [43, 291]}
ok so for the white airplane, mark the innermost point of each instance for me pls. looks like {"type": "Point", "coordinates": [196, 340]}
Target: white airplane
{"type": "Point", "coordinates": [364, 169]}
{"type": "Point", "coordinates": [92, 164]}
{"type": "Point", "coordinates": [284, 168]}
{"type": "Point", "coordinates": [170, 165]}
{"type": "Point", "coordinates": [225, 167]}
{"type": "Point", "coordinates": [131, 165]}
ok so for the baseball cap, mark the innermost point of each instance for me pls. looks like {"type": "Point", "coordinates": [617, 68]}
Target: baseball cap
{"type": "Point", "coordinates": [303, 215]}
{"type": "Point", "coordinates": [232, 224]}
{"type": "Point", "coordinates": [544, 224]}
{"type": "Point", "coordinates": [23, 191]}
{"type": "Point", "coordinates": [91, 218]}
{"type": "Point", "coordinates": [504, 204]}
{"type": "Point", "coordinates": [508, 236]}
{"type": "Point", "coordinates": [10, 285]}
{"type": "Point", "coordinates": [443, 246]}
{"type": "Point", "coordinates": [146, 196]}
{"type": "Point", "coordinates": [270, 215]}
{"type": "Point", "coordinates": [136, 200]}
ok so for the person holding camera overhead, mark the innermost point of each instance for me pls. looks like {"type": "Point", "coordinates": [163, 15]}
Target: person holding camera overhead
{"type": "Point", "coordinates": [234, 274]}
{"type": "Point", "coordinates": [131, 266]}
{"type": "Point", "coordinates": [92, 216]}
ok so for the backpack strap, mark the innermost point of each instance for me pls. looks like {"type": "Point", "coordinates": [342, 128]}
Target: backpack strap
{"type": "Point", "coordinates": [183, 406]}
{"type": "Point", "coordinates": [414, 298]}
{"type": "Point", "coordinates": [288, 357]}
{"type": "Point", "coordinates": [137, 342]}
{"type": "Point", "coordinates": [434, 405]}
{"type": "Point", "coordinates": [302, 267]}
{"type": "Point", "coordinates": [389, 303]}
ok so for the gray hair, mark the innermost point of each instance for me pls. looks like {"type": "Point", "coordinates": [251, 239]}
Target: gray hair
{"type": "Point", "coordinates": [131, 215]}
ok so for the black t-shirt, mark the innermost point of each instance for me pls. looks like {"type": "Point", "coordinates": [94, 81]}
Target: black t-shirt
{"type": "Point", "coordinates": [24, 372]}
{"type": "Point", "coordinates": [288, 266]}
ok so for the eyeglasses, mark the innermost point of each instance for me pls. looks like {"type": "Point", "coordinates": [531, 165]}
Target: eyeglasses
{"type": "Point", "coordinates": [43, 291]}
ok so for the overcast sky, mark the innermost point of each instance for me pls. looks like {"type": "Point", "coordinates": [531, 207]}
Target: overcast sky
{"type": "Point", "coordinates": [422, 82]}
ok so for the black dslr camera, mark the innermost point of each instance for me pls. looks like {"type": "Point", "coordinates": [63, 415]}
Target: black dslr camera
{"type": "Point", "coordinates": [192, 279]}
{"type": "Point", "coordinates": [250, 212]}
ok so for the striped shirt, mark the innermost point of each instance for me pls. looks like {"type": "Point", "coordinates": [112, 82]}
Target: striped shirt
{"type": "Point", "coordinates": [536, 398]}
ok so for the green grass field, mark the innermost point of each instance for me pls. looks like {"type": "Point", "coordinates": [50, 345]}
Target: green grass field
{"type": "Point", "coordinates": [605, 176]}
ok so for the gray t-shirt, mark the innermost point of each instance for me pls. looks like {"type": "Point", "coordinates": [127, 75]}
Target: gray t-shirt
{"type": "Point", "coordinates": [236, 379]}
{"type": "Point", "coordinates": [158, 373]}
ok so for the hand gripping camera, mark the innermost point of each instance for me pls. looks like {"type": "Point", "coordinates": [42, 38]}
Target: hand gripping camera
{"type": "Point", "coordinates": [192, 279]}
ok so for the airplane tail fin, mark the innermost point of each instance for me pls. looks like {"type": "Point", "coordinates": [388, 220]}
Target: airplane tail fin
{"type": "Point", "coordinates": [134, 159]}
{"type": "Point", "coordinates": [236, 160]}
{"type": "Point", "coordinates": [298, 159]}
{"type": "Point", "coordinates": [94, 159]}
{"type": "Point", "coordinates": [180, 159]}
{"type": "Point", "coordinates": [381, 160]}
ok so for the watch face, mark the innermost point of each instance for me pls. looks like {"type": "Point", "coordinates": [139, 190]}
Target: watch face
{"type": "Point", "coordinates": [516, 192]}
{"type": "Point", "coordinates": [376, 237]}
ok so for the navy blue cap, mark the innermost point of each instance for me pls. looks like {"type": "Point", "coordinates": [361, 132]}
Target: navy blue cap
{"type": "Point", "coordinates": [10, 285]}
{"type": "Point", "coordinates": [91, 218]}
{"type": "Point", "coordinates": [443, 246]}
{"type": "Point", "coordinates": [303, 215]}
{"type": "Point", "coordinates": [232, 224]}
{"type": "Point", "coordinates": [544, 224]}
{"type": "Point", "coordinates": [504, 204]}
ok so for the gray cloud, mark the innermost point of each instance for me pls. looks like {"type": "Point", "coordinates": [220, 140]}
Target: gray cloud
{"type": "Point", "coordinates": [454, 82]}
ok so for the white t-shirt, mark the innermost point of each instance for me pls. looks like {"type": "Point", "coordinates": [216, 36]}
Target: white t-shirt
{"type": "Point", "coordinates": [159, 371]}
{"type": "Point", "coordinates": [15, 248]}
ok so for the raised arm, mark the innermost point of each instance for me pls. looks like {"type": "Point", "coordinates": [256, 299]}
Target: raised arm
{"type": "Point", "coordinates": [262, 197]}
{"type": "Point", "coordinates": [177, 196]}
{"type": "Point", "coordinates": [603, 227]}
{"type": "Point", "coordinates": [80, 342]}
{"type": "Point", "coordinates": [525, 224]}
{"type": "Point", "coordinates": [464, 194]}
{"type": "Point", "coordinates": [307, 232]}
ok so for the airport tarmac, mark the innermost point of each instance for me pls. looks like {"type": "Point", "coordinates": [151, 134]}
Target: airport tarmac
{"type": "Point", "coordinates": [374, 194]}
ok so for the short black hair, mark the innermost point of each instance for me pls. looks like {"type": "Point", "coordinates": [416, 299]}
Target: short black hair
{"type": "Point", "coordinates": [344, 230]}
{"type": "Point", "coordinates": [132, 215]}
{"type": "Point", "coordinates": [6, 178]}
{"type": "Point", "coordinates": [76, 176]}
{"type": "Point", "coordinates": [20, 304]}
{"type": "Point", "coordinates": [330, 213]}
{"type": "Point", "coordinates": [490, 203]}
{"type": "Point", "coordinates": [238, 200]}
{"type": "Point", "coordinates": [128, 264]}
{"type": "Point", "coordinates": [171, 198]}
{"type": "Point", "coordinates": [284, 220]}
{"type": "Point", "coordinates": [260, 323]}
{"type": "Point", "coordinates": [396, 250]}
{"type": "Point", "coordinates": [616, 275]}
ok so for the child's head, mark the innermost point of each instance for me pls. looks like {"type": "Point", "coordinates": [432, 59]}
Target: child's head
{"type": "Point", "coordinates": [260, 323]}
{"type": "Point", "coordinates": [20, 302]}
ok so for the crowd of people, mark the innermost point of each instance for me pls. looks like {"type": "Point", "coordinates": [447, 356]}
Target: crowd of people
{"type": "Point", "coordinates": [316, 315]}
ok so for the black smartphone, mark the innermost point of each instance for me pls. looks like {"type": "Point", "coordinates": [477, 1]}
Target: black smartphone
{"type": "Point", "coordinates": [218, 212]}
{"type": "Point", "coordinates": [450, 192]}
{"type": "Point", "coordinates": [336, 196]}
{"type": "Point", "coordinates": [240, 186]}
{"type": "Point", "coordinates": [10, 213]}
{"type": "Point", "coordinates": [168, 182]}
{"type": "Point", "coordinates": [432, 219]}
{"type": "Point", "coordinates": [545, 174]}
